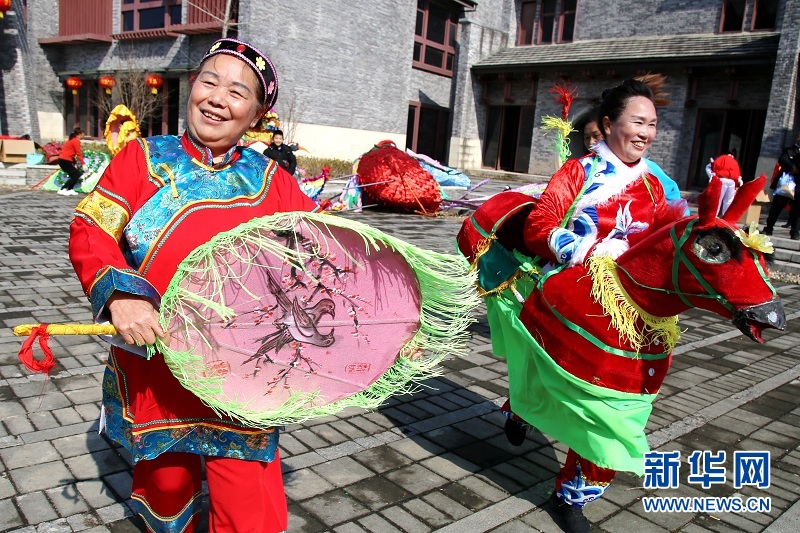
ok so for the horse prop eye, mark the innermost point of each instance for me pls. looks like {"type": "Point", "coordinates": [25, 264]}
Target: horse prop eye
{"type": "Point", "coordinates": [711, 249]}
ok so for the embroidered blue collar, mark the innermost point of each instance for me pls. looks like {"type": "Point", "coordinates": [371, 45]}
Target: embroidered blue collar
{"type": "Point", "coordinates": [203, 153]}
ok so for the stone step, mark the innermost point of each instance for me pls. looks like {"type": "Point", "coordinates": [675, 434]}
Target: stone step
{"type": "Point", "coordinates": [785, 243]}
{"type": "Point", "coordinates": [787, 252]}
{"type": "Point", "coordinates": [13, 176]}
{"type": "Point", "coordinates": [785, 267]}
{"type": "Point", "coordinates": [787, 255]}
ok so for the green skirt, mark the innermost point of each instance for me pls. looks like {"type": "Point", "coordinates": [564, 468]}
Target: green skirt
{"type": "Point", "coordinates": [602, 425]}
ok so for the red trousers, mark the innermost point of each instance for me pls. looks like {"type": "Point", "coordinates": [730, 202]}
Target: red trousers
{"type": "Point", "coordinates": [243, 495]}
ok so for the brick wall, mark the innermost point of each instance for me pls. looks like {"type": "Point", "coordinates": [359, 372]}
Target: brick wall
{"type": "Point", "coordinates": [782, 118]}
{"type": "Point", "coordinates": [488, 29]}
{"type": "Point", "coordinates": [598, 19]}
{"type": "Point", "coordinates": [676, 121]}
{"type": "Point", "coordinates": [343, 63]}
{"type": "Point", "coordinates": [15, 68]}
{"type": "Point", "coordinates": [672, 150]}
{"type": "Point", "coordinates": [47, 96]}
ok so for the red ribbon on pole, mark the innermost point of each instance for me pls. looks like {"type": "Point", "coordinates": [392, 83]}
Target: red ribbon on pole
{"type": "Point", "coordinates": [26, 351]}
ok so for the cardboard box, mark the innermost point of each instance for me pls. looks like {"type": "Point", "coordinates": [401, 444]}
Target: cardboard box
{"type": "Point", "coordinates": [16, 150]}
{"type": "Point", "coordinates": [762, 197]}
{"type": "Point", "coordinates": [753, 213]}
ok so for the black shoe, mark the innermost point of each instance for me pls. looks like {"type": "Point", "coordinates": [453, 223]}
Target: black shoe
{"type": "Point", "coordinates": [515, 432]}
{"type": "Point", "coordinates": [787, 225]}
{"type": "Point", "coordinates": [795, 236]}
{"type": "Point", "coordinates": [767, 231]}
{"type": "Point", "coordinates": [574, 521]}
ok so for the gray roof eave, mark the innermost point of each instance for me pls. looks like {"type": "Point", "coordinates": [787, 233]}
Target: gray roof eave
{"type": "Point", "coordinates": [670, 49]}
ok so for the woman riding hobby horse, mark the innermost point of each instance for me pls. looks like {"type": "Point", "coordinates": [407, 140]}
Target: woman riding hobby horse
{"type": "Point", "coordinates": [588, 338]}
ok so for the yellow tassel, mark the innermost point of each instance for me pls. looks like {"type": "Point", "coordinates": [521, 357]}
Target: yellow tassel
{"type": "Point", "coordinates": [481, 248]}
{"type": "Point", "coordinates": [509, 283]}
{"type": "Point", "coordinates": [625, 314]}
{"type": "Point", "coordinates": [550, 122]}
{"type": "Point", "coordinates": [171, 180]}
{"type": "Point", "coordinates": [23, 330]}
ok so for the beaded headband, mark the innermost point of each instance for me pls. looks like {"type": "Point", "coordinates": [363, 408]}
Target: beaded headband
{"type": "Point", "coordinates": [257, 60]}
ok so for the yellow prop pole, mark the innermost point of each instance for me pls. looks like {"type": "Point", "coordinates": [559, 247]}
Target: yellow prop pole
{"type": "Point", "coordinates": [23, 330]}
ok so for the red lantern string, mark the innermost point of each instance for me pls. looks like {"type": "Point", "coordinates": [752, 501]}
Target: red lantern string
{"type": "Point", "coordinates": [26, 351]}
{"type": "Point", "coordinates": [108, 83]}
{"type": "Point", "coordinates": [74, 83]}
{"type": "Point", "coordinates": [154, 81]}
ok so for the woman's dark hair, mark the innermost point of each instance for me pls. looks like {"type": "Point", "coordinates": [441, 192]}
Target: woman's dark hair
{"type": "Point", "coordinates": [75, 133]}
{"type": "Point", "coordinates": [615, 100]}
{"type": "Point", "coordinates": [587, 117]}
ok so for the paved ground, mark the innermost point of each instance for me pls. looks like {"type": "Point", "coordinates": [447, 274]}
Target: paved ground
{"type": "Point", "coordinates": [434, 460]}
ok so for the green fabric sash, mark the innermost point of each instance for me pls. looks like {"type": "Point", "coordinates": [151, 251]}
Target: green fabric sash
{"type": "Point", "coordinates": [602, 425]}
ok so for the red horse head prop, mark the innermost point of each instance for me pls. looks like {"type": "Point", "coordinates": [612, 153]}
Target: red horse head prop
{"type": "Point", "coordinates": [707, 262]}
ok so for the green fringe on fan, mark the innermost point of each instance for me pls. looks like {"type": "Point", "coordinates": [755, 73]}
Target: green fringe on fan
{"type": "Point", "coordinates": [448, 300]}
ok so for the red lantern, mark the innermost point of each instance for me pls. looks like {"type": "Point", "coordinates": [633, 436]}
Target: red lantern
{"type": "Point", "coordinates": [74, 83]}
{"type": "Point", "coordinates": [107, 83]}
{"type": "Point", "coordinates": [154, 81]}
{"type": "Point", "coordinates": [5, 5]}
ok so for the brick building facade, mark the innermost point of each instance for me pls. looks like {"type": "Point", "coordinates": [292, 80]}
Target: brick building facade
{"type": "Point", "coordinates": [465, 81]}
{"type": "Point", "coordinates": [732, 69]}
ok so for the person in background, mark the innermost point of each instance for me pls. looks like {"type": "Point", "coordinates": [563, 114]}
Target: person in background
{"type": "Point", "coordinates": [70, 154]}
{"type": "Point", "coordinates": [281, 153]}
{"type": "Point", "coordinates": [158, 200]}
{"type": "Point", "coordinates": [726, 169]}
{"type": "Point", "coordinates": [788, 163]}
{"type": "Point", "coordinates": [591, 131]}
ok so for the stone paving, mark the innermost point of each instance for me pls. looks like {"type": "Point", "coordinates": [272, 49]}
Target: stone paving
{"type": "Point", "coordinates": [433, 460]}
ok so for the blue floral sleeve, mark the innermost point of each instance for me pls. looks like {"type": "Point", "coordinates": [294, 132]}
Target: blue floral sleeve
{"type": "Point", "coordinates": [111, 279]}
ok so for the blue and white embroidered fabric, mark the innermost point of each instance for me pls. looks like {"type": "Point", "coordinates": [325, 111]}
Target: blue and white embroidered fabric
{"type": "Point", "coordinates": [578, 493]}
{"type": "Point", "coordinates": [625, 224]}
{"type": "Point", "coordinates": [193, 181]}
{"type": "Point", "coordinates": [611, 177]}
{"type": "Point", "coordinates": [188, 438]}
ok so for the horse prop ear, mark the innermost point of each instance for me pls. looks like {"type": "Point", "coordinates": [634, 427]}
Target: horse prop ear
{"type": "Point", "coordinates": [744, 198]}
{"type": "Point", "coordinates": [708, 202]}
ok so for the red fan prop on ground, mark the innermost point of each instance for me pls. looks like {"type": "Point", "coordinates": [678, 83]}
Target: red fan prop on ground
{"type": "Point", "coordinates": [392, 178]}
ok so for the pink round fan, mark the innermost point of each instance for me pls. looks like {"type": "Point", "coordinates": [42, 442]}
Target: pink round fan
{"type": "Point", "coordinates": [274, 318]}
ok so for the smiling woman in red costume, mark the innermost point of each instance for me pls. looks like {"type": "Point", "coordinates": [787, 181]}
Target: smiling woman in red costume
{"type": "Point", "coordinates": [597, 205]}
{"type": "Point", "coordinates": [159, 199]}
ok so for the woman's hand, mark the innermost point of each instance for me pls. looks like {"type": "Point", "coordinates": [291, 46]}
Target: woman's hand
{"type": "Point", "coordinates": [135, 319]}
